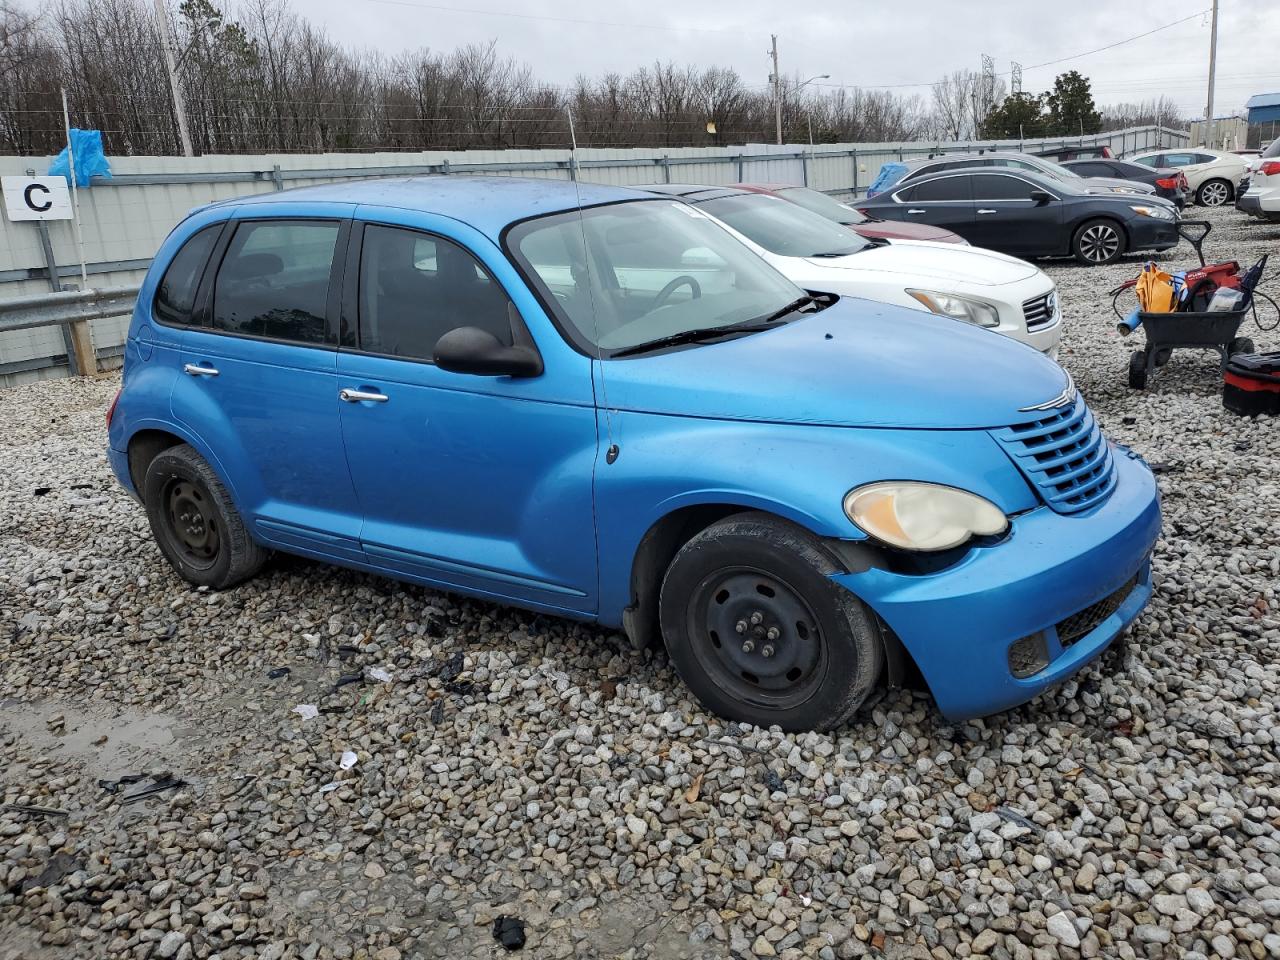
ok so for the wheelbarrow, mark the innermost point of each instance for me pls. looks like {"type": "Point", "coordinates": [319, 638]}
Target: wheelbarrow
{"type": "Point", "coordinates": [1195, 330]}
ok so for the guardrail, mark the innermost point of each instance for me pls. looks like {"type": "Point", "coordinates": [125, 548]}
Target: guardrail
{"type": "Point", "coordinates": [72, 310]}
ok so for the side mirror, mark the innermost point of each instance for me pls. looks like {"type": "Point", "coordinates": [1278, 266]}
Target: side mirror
{"type": "Point", "coordinates": [475, 351]}
{"type": "Point", "coordinates": [1041, 197]}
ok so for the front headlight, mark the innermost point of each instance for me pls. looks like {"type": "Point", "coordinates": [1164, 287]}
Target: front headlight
{"type": "Point", "coordinates": [922, 516]}
{"type": "Point", "coordinates": [1159, 213]}
{"type": "Point", "coordinates": [958, 308]}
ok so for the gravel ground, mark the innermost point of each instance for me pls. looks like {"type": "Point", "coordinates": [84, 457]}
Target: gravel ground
{"type": "Point", "coordinates": [515, 765]}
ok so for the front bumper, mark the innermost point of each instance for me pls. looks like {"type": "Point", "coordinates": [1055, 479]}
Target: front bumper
{"type": "Point", "coordinates": [1148, 233]}
{"type": "Point", "coordinates": [959, 624]}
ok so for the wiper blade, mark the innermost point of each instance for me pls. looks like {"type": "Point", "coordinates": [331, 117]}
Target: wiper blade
{"type": "Point", "coordinates": [697, 335]}
{"type": "Point", "coordinates": [791, 307]}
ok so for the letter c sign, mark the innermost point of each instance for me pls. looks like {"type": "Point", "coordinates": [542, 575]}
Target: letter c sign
{"type": "Point", "coordinates": [36, 198]}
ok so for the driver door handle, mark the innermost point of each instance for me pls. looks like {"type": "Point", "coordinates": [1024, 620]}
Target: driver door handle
{"type": "Point", "coordinates": [195, 370]}
{"type": "Point", "coordinates": [916, 210]}
{"type": "Point", "coordinates": [985, 210]}
{"type": "Point", "coordinates": [359, 396]}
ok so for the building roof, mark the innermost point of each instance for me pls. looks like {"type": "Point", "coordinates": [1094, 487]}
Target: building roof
{"type": "Point", "coordinates": [1263, 100]}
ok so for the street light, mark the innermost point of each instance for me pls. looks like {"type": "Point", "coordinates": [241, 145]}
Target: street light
{"type": "Point", "coordinates": [809, 113]}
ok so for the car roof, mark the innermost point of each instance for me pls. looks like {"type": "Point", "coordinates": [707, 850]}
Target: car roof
{"type": "Point", "coordinates": [919, 162]}
{"type": "Point", "coordinates": [487, 203]}
{"type": "Point", "coordinates": [1033, 175]}
{"type": "Point", "coordinates": [758, 187]}
{"type": "Point", "coordinates": [691, 192]}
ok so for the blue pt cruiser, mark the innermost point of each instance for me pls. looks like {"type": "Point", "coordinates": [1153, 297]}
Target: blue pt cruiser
{"type": "Point", "coordinates": [597, 403]}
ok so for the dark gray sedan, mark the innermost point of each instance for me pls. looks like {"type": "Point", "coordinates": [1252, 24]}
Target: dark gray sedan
{"type": "Point", "coordinates": [1169, 182]}
{"type": "Point", "coordinates": [892, 174]}
{"type": "Point", "coordinates": [1030, 215]}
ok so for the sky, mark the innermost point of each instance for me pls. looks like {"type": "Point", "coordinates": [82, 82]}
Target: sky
{"type": "Point", "coordinates": [863, 43]}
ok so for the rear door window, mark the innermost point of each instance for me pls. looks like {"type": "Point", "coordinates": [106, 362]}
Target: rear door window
{"type": "Point", "coordinates": [416, 287]}
{"type": "Point", "coordinates": [274, 280]}
{"type": "Point", "coordinates": [942, 189]}
{"type": "Point", "coordinates": [176, 296]}
{"type": "Point", "coordinates": [1179, 159]}
{"type": "Point", "coordinates": [990, 186]}
{"type": "Point", "coordinates": [1155, 160]}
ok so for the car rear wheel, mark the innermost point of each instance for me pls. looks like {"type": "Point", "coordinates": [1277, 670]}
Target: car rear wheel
{"type": "Point", "coordinates": [1097, 242]}
{"type": "Point", "coordinates": [761, 633]}
{"type": "Point", "coordinates": [195, 522]}
{"type": "Point", "coordinates": [1213, 193]}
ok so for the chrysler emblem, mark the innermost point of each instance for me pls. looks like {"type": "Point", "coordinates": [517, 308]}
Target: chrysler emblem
{"type": "Point", "coordinates": [1066, 396]}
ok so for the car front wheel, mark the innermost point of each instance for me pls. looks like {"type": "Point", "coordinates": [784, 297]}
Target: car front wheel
{"type": "Point", "coordinates": [1213, 193]}
{"type": "Point", "coordinates": [1097, 242]}
{"type": "Point", "coordinates": [195, 522]}
{"type": "Point", "coordinates": [761, 633]}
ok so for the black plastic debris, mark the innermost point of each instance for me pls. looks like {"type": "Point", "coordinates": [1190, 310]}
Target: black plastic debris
{"type": "Point", "coordinates": [158, 785]}
{"type": "Point", "coordinates": [437, 712]}
{"type": "Point", "coordinates": [57, 867]}
{"type": "Point", "coordinates": [509, 931]}
{"type": "Point", "coordinates": [113, 786]}
{"type": "Point", "coordinates": [1242, 445]}
{"type": "Point", "coordinates": [36, 811]}
{"type": "Point", "coordinates": [346, 651]}
{"type": "Point", "coordinates": [772, 781]}
{"type": "Point", "coordinates": [460, 687]}
{"type": "Point", "coordinates": [1013, 816]}
{"type": "Point", "coordinates": [1129, 421]}
{"type": "Point", "coordinates": [277, 673]}
{"type": "Point", "coordinates": [346, 679]}
{"type": "Point", "coordinates": [41, 491]}
{"type": "Point", "coordinates": [452, 668]}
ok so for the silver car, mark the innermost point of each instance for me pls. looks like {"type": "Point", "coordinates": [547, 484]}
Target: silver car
{"type": "Point", "coordinates": [1018, 161]}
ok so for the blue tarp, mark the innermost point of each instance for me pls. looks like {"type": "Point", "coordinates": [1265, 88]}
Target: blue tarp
{"type": "Point", "coordinates": [889, 174]}
{"type": "Point", "coordinates": [90, 160]}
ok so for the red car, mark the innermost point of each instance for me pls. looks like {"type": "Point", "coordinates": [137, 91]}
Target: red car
{"type": "Point", "coordinates": [858, 222]}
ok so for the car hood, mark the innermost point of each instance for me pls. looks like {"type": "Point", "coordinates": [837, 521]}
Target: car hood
{"type": "Point", "coordinates": [895, 230]}
{"type": "Point", "coordinates": [929, 262]}
{"type": "Point", "coordinates": [858, 363]}
{"type": "Point", "coordinates": [1109, 185]}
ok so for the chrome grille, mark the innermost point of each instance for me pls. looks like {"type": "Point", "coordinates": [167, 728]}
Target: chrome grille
{"type": "Point", "coordinates": [1039, 311]}
{"type": "Point", "coordinates": [1064, 455]}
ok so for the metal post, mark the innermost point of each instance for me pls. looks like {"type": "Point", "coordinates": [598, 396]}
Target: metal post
{"type": "Point", "coordinates": [854, 154]}
{"type": "Point", "coordinates": [1213, 63]}
{"type": "Point", "coordinates": [51, 265]}
{"type": "Point", "coordinates": [804, 168]}
{"type": "Point", "coordinates": [82, 357]}
{"type": "Point", "coordinates": [666, 168]}
{"type": "Point", "coordinates": [740, 178]}
{"type": "Point", "coordinates": [175, 85]}
{"type": "Point", "coordinates": [777, 90]}
{"type": "Point", "coordinates": [276, 179]}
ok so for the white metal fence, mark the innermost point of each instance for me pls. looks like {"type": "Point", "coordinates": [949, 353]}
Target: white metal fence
{"type": "Point", "coordinates": [124, 219]}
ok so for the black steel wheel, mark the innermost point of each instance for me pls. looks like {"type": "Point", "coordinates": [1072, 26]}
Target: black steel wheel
{"type": "Point", "coordinates": [194, 521]}
{"type": "Point", "coordinates": [1213, 193]}
{"type": "Point", "coordinates": [1097, 242]}
{"type": "Point", "coordinates": [761, 633]}
{"type": "Point", "coordinates": [1138, 370]}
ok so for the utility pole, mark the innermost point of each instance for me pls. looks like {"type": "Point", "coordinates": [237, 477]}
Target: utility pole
{"type": "Point", "coordinates": [1213, 63]}
{"type": "Point", "coordinates": [175, 86]}
{"type": "Point", "coordinates": [776, 77]}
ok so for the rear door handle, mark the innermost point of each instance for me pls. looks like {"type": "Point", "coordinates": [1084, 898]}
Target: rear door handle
{"type": "Point", "coordinates": [359, 396]}
{"type": "Point", "coordinates": [195, 370]}
{"type": "Point", "coordinates": [916, 210]}
{"type": "Point", "coordinates": [985, 210]}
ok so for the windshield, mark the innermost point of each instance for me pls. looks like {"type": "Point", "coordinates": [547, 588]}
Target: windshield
{"type": "Point", "coordinates": [783, 228]}
{"type": "Point", "coordinates": [822, 205]}
{"type": "Point", "coordinates": [630, 273]}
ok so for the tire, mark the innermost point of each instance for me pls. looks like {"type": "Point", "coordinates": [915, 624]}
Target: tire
{"type": "Point", "coordinates": [1097, 242]}
{"type": "Point", "coordinates": [195, 523]}
{"type": "Point", "coordinates": [806, 662]}
{"type": "Point", "coordinates": [1241, 345]}
{"type": "Point", "coordinates": [1138, 370]}
{"type": "Point", "coordinates": [1214, 193]}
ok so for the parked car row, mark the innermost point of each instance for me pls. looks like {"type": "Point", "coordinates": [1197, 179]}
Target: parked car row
{"type": "Point", "coordinates": [659, 410]}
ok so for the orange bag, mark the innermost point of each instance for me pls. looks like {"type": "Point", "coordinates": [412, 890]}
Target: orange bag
{"type": "Point", "coordinates": [1155, 290]}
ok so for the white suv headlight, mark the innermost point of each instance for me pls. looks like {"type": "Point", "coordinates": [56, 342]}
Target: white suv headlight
{"type": "Point", "coordinates": [958, 308]}
{"type": "Point", "coordinates": [922, 516]}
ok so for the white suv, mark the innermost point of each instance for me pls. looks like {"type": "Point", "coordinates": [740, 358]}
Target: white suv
{"type": "Point", "coordinates": [1260, 196]}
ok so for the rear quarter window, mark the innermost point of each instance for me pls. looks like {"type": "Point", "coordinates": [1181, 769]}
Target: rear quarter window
{"type": "Point", "coordinates": [176, 295]}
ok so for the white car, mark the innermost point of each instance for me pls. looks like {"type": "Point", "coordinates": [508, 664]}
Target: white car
{"type": "Point", "coordinates": [978, 286]}
{"type": "Point", "coordinates": [1212, 175]}
{"type": "Point", "coordinates": [1262, 198]}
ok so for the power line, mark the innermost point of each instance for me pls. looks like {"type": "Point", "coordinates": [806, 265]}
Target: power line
{"type": "Point", "coordinates": [574, 20]}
